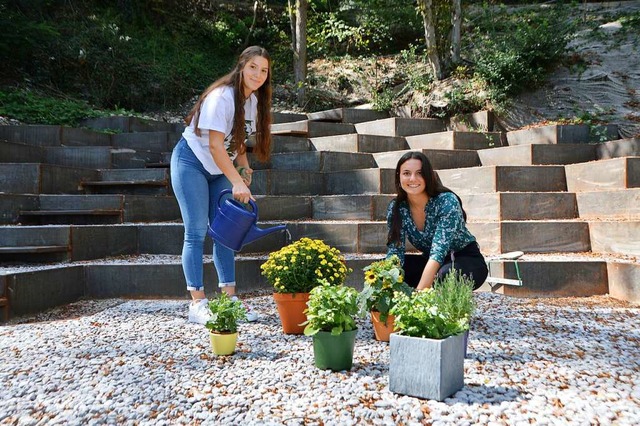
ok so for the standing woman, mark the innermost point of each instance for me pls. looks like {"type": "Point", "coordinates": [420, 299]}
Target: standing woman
{"type": "Point", "coordinates": [431, 217]}
{"type": "Point", "coordinates": [202, 165]}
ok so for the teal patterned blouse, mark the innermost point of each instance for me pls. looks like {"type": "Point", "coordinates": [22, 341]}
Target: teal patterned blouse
{"type": "Point", "coordinates": [444, 230]}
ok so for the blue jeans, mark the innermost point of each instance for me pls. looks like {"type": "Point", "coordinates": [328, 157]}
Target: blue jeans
{"type": "Point", "coordinates": [198, 192]}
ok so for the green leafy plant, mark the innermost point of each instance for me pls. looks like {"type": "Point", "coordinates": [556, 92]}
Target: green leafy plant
{"type": "Point", "coordinates": [381, 280]}
{"type": "Point", "coordinates": [442, 311]}
{"type": "Point", "coordinates": [225, 314]}
{"type": "Point", "coordinates": [331, 308]}
{"type": "Point", "coordinates": [302, 265]}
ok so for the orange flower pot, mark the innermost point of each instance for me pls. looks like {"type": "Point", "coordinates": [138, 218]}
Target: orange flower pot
{"type": "Point", "coordinates": [380, 329]}
{"type": "Point", "coordinates": [291, 308]}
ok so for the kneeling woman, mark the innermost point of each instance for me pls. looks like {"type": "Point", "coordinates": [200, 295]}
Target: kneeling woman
{"type": "Point", "coordinates": [431, 217]}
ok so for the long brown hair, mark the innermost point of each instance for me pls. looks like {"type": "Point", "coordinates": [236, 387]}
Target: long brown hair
{"type": "Point", "coordinates": [263, 120]}
{"type": "Point", "coordinates": [433, 188]}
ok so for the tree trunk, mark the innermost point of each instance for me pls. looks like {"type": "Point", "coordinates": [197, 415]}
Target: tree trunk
{"type": "Point", "coordinates": [456, 23]}
{"type": "Point", "coordinates": [426, 8]}
{"type": "Point", "coordinates": [298, 19]}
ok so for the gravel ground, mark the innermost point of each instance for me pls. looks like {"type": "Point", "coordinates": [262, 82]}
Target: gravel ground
{"type": "Point", "coordinates": [531, 361]}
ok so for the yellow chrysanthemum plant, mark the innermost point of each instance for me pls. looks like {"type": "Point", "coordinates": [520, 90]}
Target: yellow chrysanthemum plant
{"type": "Point", "coordinates": [381, 280]}
{"type": "Point", "coordinates": [302, 265]}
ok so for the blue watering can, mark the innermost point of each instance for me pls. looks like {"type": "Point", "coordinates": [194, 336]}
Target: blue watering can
{"type": "Point", "coordinates": [234, 225]}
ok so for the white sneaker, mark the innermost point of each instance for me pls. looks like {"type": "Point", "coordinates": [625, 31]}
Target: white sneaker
{"type": "Point", "coordinates": [199, 312]}
{"type": "Point", "coordinates": [252, 315]}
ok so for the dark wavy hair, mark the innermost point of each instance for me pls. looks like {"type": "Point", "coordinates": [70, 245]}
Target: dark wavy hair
{"type": "Point", "coordinates": [433, 188]}
{"type": "Point", "coordinates": [263, 121]}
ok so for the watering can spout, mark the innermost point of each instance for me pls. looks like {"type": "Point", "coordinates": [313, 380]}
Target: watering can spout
{"type": "Point", "coordinates": [256, 233]}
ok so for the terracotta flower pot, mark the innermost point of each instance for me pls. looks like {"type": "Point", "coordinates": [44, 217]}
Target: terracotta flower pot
{"type": "Point", "coordinates": [381, 329]}
{"type": "Point", "coordinates": [291, 308]}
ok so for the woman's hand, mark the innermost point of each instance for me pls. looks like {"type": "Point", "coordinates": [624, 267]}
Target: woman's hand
{"type": "Point", "coordinates": [242, 193]}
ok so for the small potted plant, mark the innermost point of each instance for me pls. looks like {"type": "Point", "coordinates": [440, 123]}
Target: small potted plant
{"type": "Point", "coordinates": [381, 280]}
{"type": "Point", "coordinates": [297, 268]}
{"type": "Point", "coordinates": [223, 324]}
{"type": "Point", "coordinates": [331, 321]}
{"type": "Point", "coordinates": [427, 349]}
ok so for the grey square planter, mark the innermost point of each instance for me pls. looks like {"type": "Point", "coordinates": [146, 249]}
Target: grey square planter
{"type": "Point", "coordinates": [426, 368]}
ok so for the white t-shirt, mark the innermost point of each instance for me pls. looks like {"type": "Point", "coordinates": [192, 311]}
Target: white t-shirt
{"type": "Point", "coordinates": [216, 113]}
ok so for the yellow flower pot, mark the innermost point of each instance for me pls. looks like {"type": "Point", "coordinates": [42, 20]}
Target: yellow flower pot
{"type": "Point", "coordinates": [223, 343]}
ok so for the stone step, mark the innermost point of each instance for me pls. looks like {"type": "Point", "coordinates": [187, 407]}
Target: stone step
{"type": "Point", "coordinates": [622, 237]}
{"type": "Point", "coordinates": [401, 126]}
{"type": "Point", "coordinates": [35, 178]}
{"type": "Point", "coordinates": [281, 143]}
{"type": "Point", "coordinates": [130, 181]}
{"type": "Point", "coordinates": [287, 182]}
{"type": "Point", "coordinates": [359, 143]}
{"type": "Point", "coordinates": [456, 140]}
{"type": "Point", "coordinates": [148, 141]}
{"type": "Point", "coordinates": [439, 158]}
{"type": "Point", "coordinates": [617, 204]}
{"type": "Point", "coordinates": [13, 152]}
{"type": "Point", "coordinates": [11, 204]}
{"type": "Point", "coordinates": [604, 175]}
{"type": "Point", "coordinates": [347, 115]}
{"type": "Point", "coordinates": [482, 121]}
{"type": "Point", "coordinates": [125, 124]}
{"type": "Point", "coordinates": [520, 206]}
{"type": "Point", "coordinates": [311, 129]}
{"type": "Point", "coordinates": [321, 161]}
{"type": "Point", "coordinates": [26, 244]}
{"type": "Point", "coordinates": [551, 134]}
{"type": "Point", "coordinates": [37, 135]}
{"type": "Point", "coordinates": [529, 155]}
{"type": "Point", "coordinates": [554, 275]}
{"type": "Point", "coordinates": [92, 157]}
{"type": "Point", "coordinates": [287, 117]}
{"type": "Point", "coordinates": [483, 179]}
{"type": "Point", "coordinates": [620, 148]}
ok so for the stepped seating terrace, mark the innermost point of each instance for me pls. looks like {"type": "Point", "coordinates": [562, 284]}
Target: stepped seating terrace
{"type": "Point", "coordinates": [94, 215]}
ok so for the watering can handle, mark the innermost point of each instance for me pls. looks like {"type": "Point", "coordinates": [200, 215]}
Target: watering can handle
{"type": "Point", "coordinates": [251, 202]}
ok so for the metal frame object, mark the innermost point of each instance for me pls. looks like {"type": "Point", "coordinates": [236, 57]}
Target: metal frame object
{"type": "Point", "coordinates": [494, 281]}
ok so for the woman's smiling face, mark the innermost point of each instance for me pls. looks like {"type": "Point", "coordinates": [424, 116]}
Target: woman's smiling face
{"type": "Point", "coordinates": [254, 74]}
{"type": "Point", "coordinates": [411, 178]}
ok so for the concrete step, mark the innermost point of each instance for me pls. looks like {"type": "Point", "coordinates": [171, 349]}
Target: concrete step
{"type": "Point", "coordinates": [125, 124]}
{"type": "Point", "coordinates": [439, 158]}
{"type": "Point", "coordinates": [288, 182]}
{"type": "Point", "coordinates": [72, 136]}
{"type": "Point", "coordinates": [359, 143]}
{"type": "Point", "coordinates": [287, 117]}
{"type": "Point", "coordinates": [74, 209]}
{"type": "Point", "coordinates": [456, 140]}
{"type": "Point", "coordinates": [13, 152]}
{"type": "Point", "coordinates": [93, 157]}
{"type": "Point", "coordinates": [37, 135]}
{"type": "Point", "coordinates": [620, 148]}
{"type": "Point", "coordinates": [147, 141]}
{"type": "Point", "coordinates": [520, 206]}
{"type": "Point", "coordinates": [11, 204]}
{"type": "Point", "coordinates": [617, 204]}
{"type": "Point", "coordinates": [154, 181]}
{"type": "Point", "coordinates": [529, 155]}
{"type": "Point", "coordinates": [35, 178]}
{"type": "Point", "coordinates": [483, 179]}
{"type": "Point", "coordinates": [483, 121]}
{"type": "Point", "coordinates": [604, 175]}
{"type": "Point", "coordinates": [321, 161]}
{"type": "Point", "coordinates": [281, 143]}
{"type": "Point", "coordinates": [551, 134]}
{"type": "Point", "coordinates": [401, 126]}
{"type": "Point", "coordinates": [311, 129]}
{"type": "Point", "coordinates": [25, 244]}
{"type": "Point", "coordinates": [347, 115]}
{"type": "Point", "coordinates": [622, 237]}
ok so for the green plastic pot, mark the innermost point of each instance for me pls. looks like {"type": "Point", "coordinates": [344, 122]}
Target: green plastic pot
{"type": "Point", "coordinates": [334, 352]}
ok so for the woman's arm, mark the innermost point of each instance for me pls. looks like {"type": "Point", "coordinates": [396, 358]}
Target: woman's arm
{"type": "Point", "coordinates": [220, 156]}
{"type": "Point", "coordinates": [428, 275]}
{"type": "Point", "coordinates": [242, 163]}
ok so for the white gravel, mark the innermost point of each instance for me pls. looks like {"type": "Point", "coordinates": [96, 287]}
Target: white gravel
{"type": "Point", "coordinates": [543, 361]}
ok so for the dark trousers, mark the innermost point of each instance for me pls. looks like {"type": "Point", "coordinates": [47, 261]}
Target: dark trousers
{"type": "Point", "coordinates": [469, 261]}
